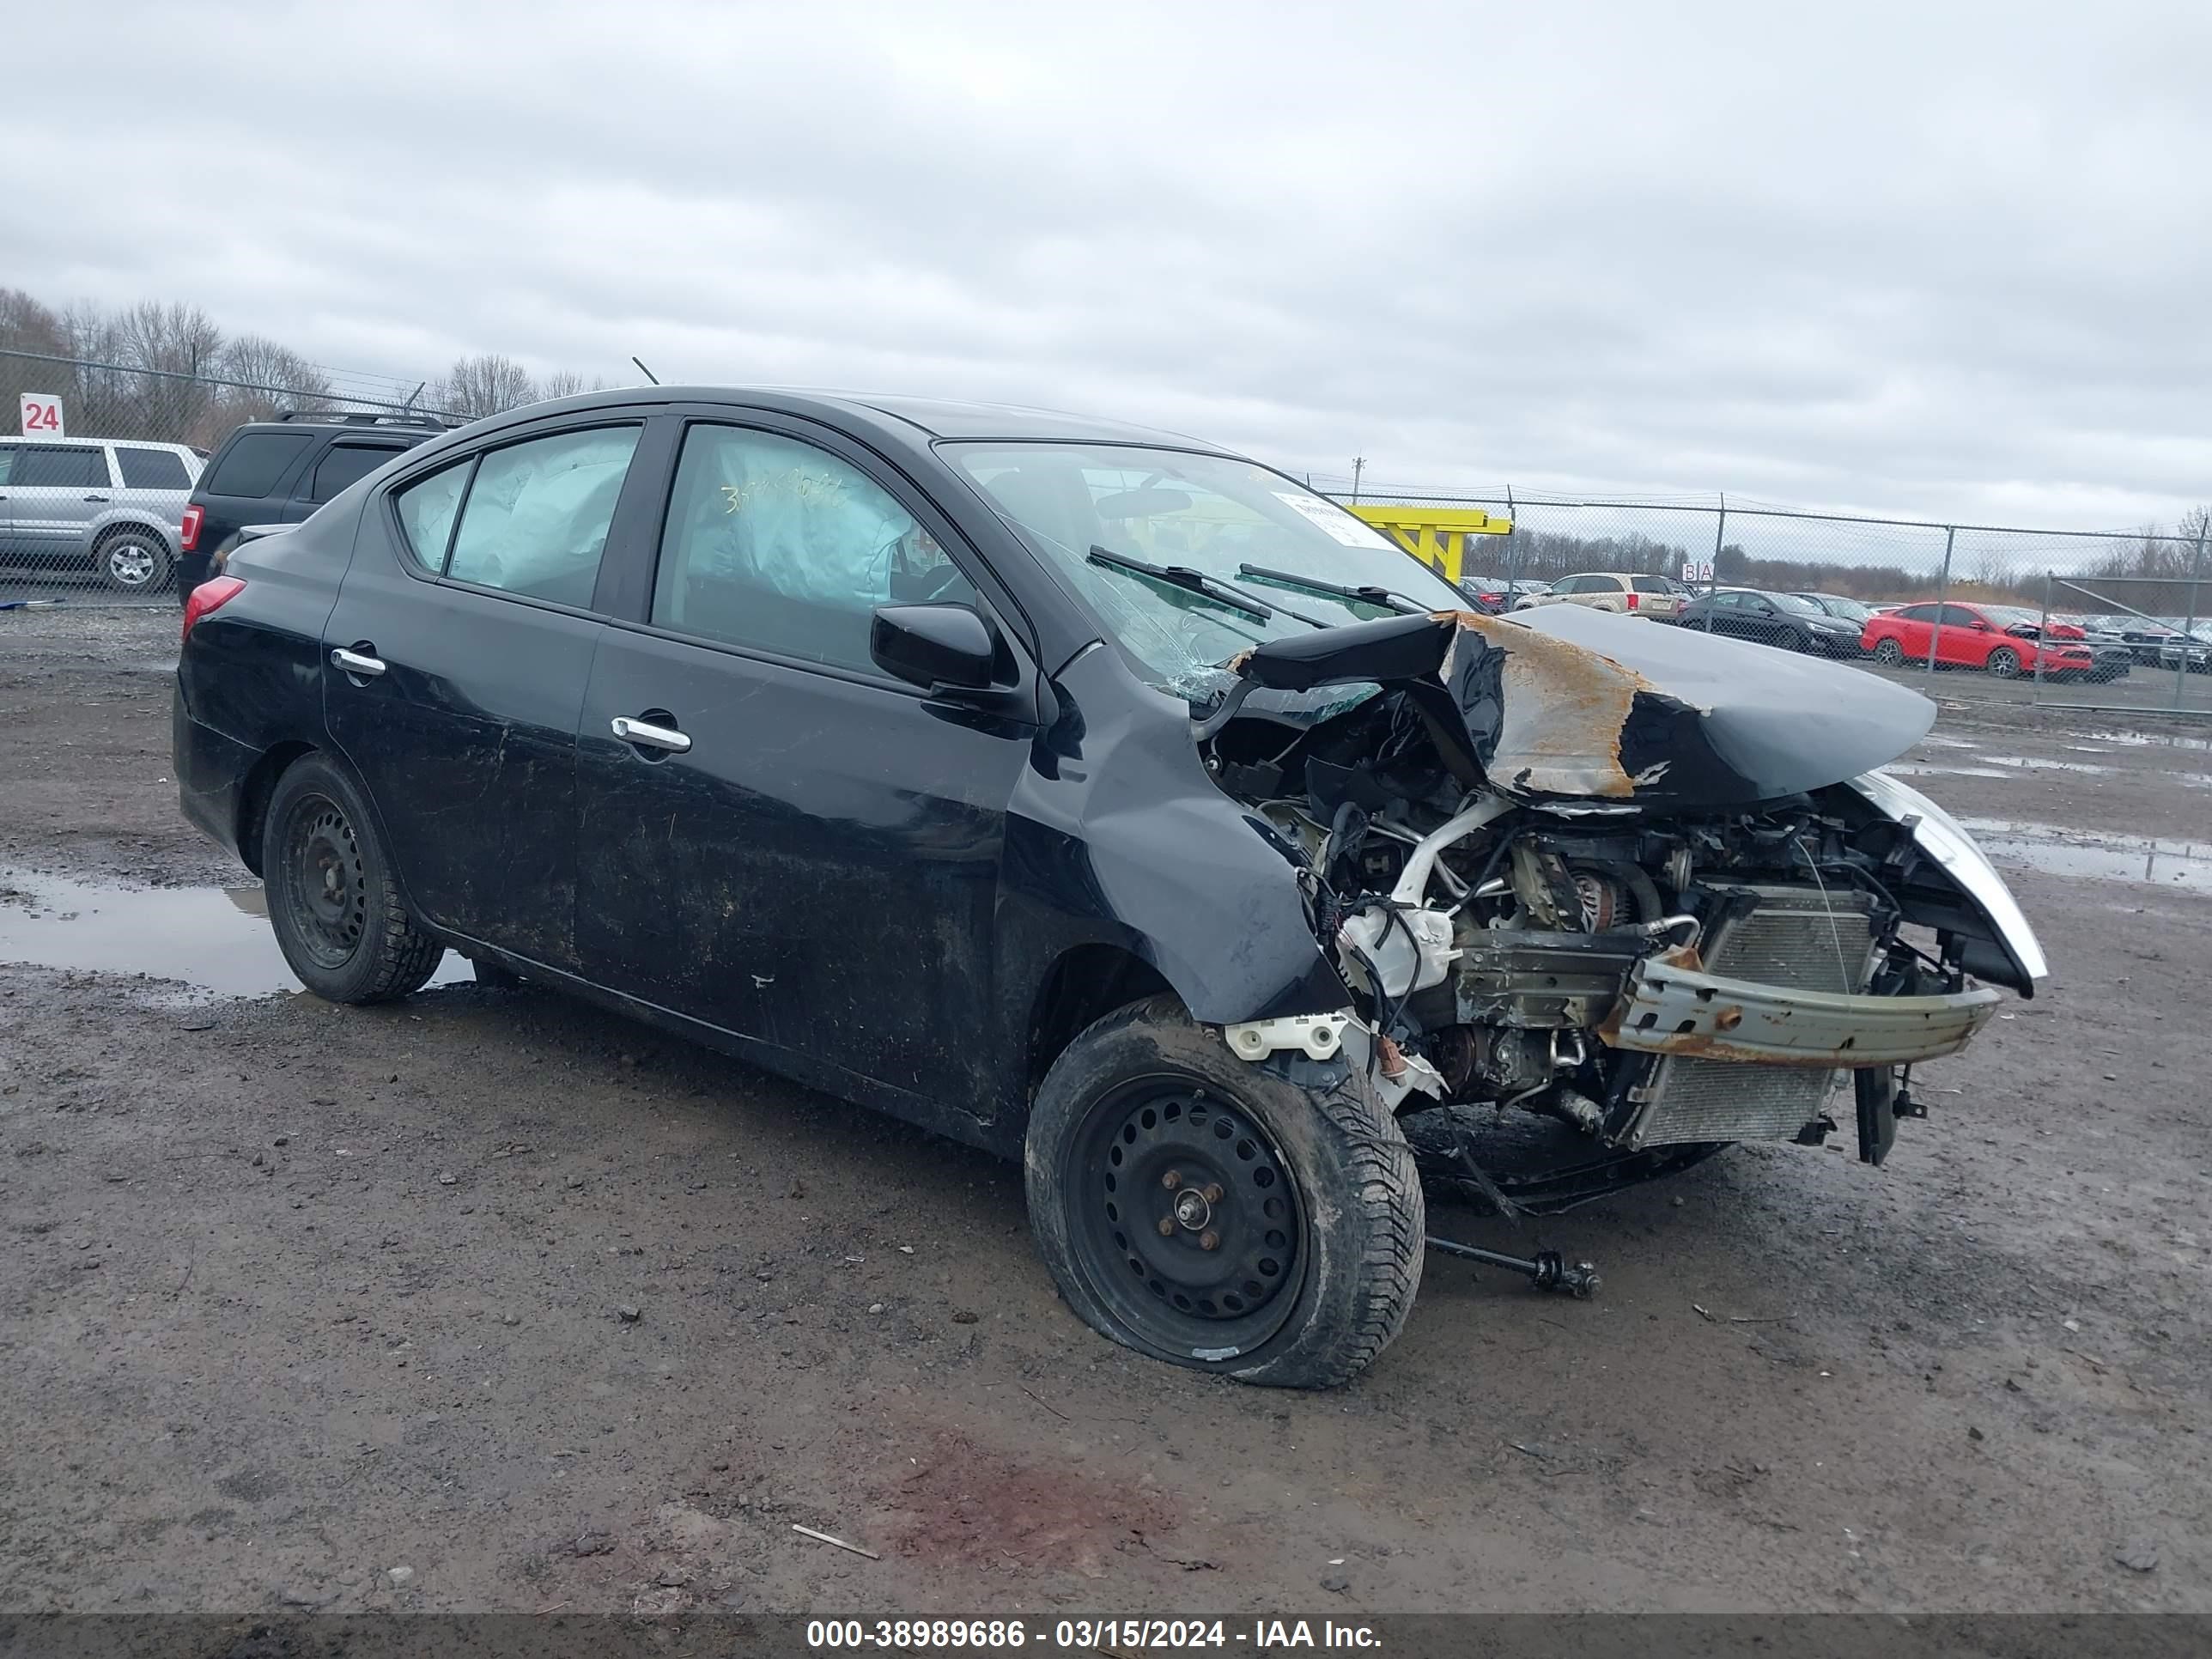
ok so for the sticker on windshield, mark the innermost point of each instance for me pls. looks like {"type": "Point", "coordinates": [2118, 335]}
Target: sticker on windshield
{"type": "Point", "coordinates": [1340, 526]}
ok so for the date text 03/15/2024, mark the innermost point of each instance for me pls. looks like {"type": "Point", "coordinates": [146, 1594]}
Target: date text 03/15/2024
{"type": "Point", "coordinates": [1086, 1634]}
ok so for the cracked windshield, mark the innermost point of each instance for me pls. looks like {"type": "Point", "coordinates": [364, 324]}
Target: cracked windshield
{"type": "Point", "coordinates": [1188, 559]}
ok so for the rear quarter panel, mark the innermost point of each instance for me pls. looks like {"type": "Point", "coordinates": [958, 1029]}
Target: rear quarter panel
{"type": "Point", "coordinates": [253, 670]}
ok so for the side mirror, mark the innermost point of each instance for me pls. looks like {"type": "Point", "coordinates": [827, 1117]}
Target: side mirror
{"type": "Point", "coordinates": [1979, 626]}
{"type": "Point", "coordinates": [936, 647]}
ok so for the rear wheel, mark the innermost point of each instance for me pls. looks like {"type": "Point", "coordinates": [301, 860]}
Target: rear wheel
{"type": "Point", "coordinates": [2003, 663]}
{"type": "Point", "coordinates": [133, 561]}
{"type": "Point", "coordinates": [1889, 653]}
{"type": "Point", "coordinates": [333, 903]}
{"type": "Point", "coordinates": [1263, 1221]}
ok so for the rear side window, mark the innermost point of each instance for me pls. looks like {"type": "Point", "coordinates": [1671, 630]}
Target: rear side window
{"type": "Point", "coordinates": [56, 466]}
{"type": "Point", "coordinates": [253, 464]}
{"type": "Point", "coordinates": [537, 513]}
{"type": "Point", "coordinates": [1916, 613]}
{"type": "Point", "coordinates": [152, 469]}
{"type": "Point", "coordinates": [346, 463]}
{"type": "Point", "coordinates": [428, 509]}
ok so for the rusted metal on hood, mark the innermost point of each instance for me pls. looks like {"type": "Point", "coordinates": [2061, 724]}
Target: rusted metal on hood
{"type": "Point", "coordinates": [1566, 703]}
{"type": "Point", "coordinates": [1564, 708]}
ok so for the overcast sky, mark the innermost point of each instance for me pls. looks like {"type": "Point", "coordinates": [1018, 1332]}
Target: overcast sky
{"type": "Point", "coordinates": [1938, 260]}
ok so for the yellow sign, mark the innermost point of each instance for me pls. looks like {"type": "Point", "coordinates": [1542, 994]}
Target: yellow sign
{"type": "Point", "coordinates": [1437, 536]}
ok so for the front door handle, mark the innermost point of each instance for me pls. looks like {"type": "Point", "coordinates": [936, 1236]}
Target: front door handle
{"type": "Point", "coordinates": [95, 498]}
{"type": "Point", "coordinates": [354, 662]}
{"type": "Point", "coordinates": [646, 735]}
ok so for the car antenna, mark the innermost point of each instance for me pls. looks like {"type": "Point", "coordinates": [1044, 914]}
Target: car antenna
{"type": "Point", "coordinates": [647, 373]}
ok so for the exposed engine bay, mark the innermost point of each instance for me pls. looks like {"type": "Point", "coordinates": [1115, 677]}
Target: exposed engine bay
{"type": "Point", "coordinates": [1660, 918]}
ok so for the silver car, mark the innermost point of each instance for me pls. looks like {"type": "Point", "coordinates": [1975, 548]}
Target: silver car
{"type": "Point", "coordinates": [110, 505]}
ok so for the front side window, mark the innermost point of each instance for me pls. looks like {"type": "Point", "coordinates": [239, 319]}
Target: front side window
{"type": "Point", "coordinates": [57, 466]}
{"type": "Point", "coordinates": [1957, 616]}
{"type": "Point", "coordinates": [7, 461]}
{"type": "Point", "coordinates": [537, 513]}
{"type": "Point", "coordinates": [1229, 520]}
{"type": "Point", "coordinates": [346, 463]}
{"type": "Point", "coordinates": [151, 469]}
{"type": "Point", "coordinates": [774, 545]}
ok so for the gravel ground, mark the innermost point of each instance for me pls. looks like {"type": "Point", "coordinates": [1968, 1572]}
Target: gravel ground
{"type": "Point", "coordinates": [547, 1309]}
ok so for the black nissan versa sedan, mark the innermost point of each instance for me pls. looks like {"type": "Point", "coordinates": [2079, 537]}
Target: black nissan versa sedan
{"type": "Point", "coordinates": [1092, 795]}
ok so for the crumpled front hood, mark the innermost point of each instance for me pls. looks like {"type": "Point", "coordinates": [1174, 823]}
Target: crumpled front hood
{"type": "Point", "coordinates": [1562, 703]}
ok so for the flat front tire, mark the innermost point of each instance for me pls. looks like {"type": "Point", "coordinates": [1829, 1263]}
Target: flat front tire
{"type": "Point", "coordinates": [333, 902]}
{"type": "Point", "coordinates": [1265, 1222]}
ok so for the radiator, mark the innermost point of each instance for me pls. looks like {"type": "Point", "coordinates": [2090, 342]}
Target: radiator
{"type": "Point", "coordinates": [1797, 937]}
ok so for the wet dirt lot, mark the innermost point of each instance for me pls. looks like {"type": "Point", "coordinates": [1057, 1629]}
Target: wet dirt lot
{"type": "Point", "coordinates": [547, 1309]}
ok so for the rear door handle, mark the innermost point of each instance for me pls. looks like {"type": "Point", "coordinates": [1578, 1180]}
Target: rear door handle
{"type": "Point", "coordinates": [649, 736]}
{"type": "Point", "coordinates": [354, 663]}
{"type": "Point", "coordinates": [95, 498]}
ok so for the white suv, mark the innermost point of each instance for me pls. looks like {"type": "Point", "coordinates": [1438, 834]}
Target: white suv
{"type": "Point", "coordinates": [1660, 598]}
{"type": "Point", "coordinates": [113, 505]}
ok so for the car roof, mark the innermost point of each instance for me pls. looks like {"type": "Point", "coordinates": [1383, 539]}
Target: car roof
{"type": "Point", "coordinates": [95, 443]}
{"type": "Point", "coordinates": [931, 417]}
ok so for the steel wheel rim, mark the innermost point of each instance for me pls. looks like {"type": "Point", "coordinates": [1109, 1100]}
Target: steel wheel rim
{"type": "Point", "coordinates": [130, 563]}
{"type": "Point", "coordinates": [326, 888]}
{"type": "Point", "coordinates": [1188, 1217]}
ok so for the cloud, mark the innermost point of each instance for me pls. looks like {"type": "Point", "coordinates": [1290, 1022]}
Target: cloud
{"type": "Point", "coordinates": [1919, 260]}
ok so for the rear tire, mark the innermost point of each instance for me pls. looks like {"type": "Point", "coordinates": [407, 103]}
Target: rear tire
{"type": "Point", "coordinates": [1293, 1170]}
{"type": "Point", "coordinates": [1889, 653]}
{"type": "Point", "coordinates": [333, 903]}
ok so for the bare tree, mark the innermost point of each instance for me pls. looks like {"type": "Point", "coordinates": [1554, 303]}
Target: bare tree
{"type": "Point", "coordinates": [485, 385]}
{"type": "Point", "coordinates": [567, 383]}
{"type": "Point", "coordinates": [27, 325]}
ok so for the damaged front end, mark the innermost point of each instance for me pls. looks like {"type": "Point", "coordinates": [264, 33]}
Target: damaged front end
{"type": "Point", "coordinates": [1646, 883]}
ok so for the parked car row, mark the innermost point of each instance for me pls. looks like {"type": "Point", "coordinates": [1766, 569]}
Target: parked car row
{"type": "Point", "coordinates": [2002, 640]}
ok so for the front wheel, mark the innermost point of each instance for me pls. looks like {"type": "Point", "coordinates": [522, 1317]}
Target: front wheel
{"type": "Point", "coordinates": [1262, 1221]}
{"type": "Point", "coordinates": [333, 902]}
{"type": "Point", "coordinates": [2003, 663]}
{"type": "Point", "coordinates": [133, 562]}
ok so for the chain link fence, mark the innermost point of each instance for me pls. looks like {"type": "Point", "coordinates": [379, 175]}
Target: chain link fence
{"type": "Point", "coordinates": [1971, 612]}
{"type": "Point", "coordinates": [94, 481]}
{"type": "Point", "coordinates": [95, 475]}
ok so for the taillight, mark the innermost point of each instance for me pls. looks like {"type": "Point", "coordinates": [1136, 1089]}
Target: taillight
{"type": "Point", "coordinates": [189, 535]}
{"type": "Point", "coordinates": [211, 595]}
{"type": "Point", "coordinates": [1632, 598]}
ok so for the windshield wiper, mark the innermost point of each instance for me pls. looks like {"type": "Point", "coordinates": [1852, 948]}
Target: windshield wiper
{"type": "Point", "coordinates": [1368, 595]}
{"type": "Point", "coordinates": [1197, 582]}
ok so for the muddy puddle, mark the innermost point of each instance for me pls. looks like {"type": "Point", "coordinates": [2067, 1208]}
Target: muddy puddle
{"type": "Point", "coordinates": [2134, 858]}
{"type": "Point", "coordinates": [216, 940]}
{"type": "Point", "coordinates": [2153, 741]}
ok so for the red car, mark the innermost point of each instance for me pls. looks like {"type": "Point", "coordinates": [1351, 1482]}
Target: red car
{"type": "Point", "coordinates": [2001, 639]}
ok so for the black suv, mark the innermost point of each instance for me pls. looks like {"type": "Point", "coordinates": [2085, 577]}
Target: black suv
{"type": "Point", "coordinates": [279, 471]}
